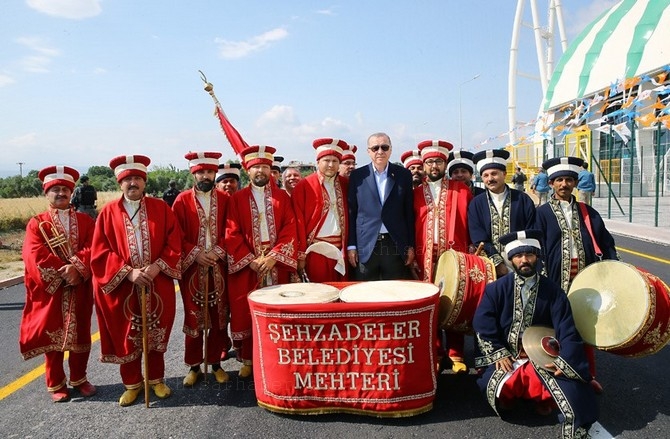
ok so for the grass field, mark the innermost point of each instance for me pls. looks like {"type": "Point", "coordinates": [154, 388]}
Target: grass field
{"type": "Point", "coordinates": [14, 215]}
{"type": "Point", "coordinates": [15, 212]}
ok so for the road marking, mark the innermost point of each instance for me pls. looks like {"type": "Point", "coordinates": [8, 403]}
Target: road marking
{"type": "Point", "coordinates": [644, 255]}
{"type": "Point", "coordinates": [597, 431]}
{"type": "Point", "coordinates": [34, 374]}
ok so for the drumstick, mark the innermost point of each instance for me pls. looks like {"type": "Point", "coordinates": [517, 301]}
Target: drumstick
{"type": "Point", "coordinates": [480, 247]}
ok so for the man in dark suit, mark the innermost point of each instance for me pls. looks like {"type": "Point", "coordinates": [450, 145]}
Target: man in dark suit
{"type": "Point", "coordinates": [381, 216]}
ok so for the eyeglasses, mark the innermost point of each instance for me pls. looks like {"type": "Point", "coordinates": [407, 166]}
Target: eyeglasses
{"type": "Point", "coordinates": [438, 162]}
{"type": "Point", "coordinates": [384, 148]}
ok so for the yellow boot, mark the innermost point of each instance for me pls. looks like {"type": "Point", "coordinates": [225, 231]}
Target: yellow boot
{"type": "Point", "coordinates": [192, 377]}
{"type": "Point", "coordinates": [161, 390]}
{"type": "Point", "coordinates": [221, 376]}
{"type": "Point", "coordinates": [459, 367]}
{"type": "Point", "coordinates": [129, 396]}
{"type": "Point", "coordinates": [246, 370]}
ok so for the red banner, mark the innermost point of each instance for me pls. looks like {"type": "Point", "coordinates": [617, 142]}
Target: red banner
{"type": "Point", "coordinates": [365, 358]}
{"type": "Point", "coordinates": [233, 136]}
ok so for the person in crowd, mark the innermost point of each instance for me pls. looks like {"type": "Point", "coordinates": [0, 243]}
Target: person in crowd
{"type": "Point", "coordinates": [275, 169]}
{"type": "Point", "coordinates": [228, 177]}
{"type": "Point", "coordinates": [59, 293]}
{"type": "Point", "coordinates": [573, 234]}
{"type": "Point", "coordinates": [412, 161]}
{"type": "Point", "coordinates": [201, 214]}
{"type": "Point", "coordinates": [508, 308]}
{"type": "Point", "coordinates": [500, 211]}
{"type": "Point", "coordinates": [135, 256]}
{"type": "Point", "coordinates": [381, 216]}
{"type": "Point", "coordinates": [586, 184]}
{"type": "Point", "coordinates": [171, 193]}
{"type": "Point", "coordinates": [290, 178]}
{"type": "Point", "coordinates": [460, 167]}
{"type": "Point", "coordinates": [540, 186]}
{"type": "Point", "coordinates": [519, 180]}
{"type": "Point", "coordinates": [320, 206]}
{"type": "Point", "coordinates": [440, 211]}
{"type": "Point", "coordinates": [348, 162]}
{"type": "Point", "coordinates": [261, 242]}
{"type": "Point", "coordinates": [84, 198]}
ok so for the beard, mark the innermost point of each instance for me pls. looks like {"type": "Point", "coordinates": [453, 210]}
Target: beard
{"type": "Point", "coordinates": [436, 177]}
{"type": "Point", "coordinates": [260, 180]}
{"type": "Point", "coordinates": [526, 270]}
{"type": "Point", "coordinates": [205, 185]}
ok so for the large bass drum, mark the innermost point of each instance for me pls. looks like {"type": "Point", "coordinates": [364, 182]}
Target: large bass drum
{"type": "Point", "coordinates": [461, 278]}
{"type": "Point", "coordinates": [621, 309]}
{"type": "Point", "coordinates": [295, 293]}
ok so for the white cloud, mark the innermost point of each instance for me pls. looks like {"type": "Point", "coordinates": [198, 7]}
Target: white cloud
{"type": "Point", "coordinates": [240, 49]}
{"type": "Point", "coordinates": [583, 16]}
{"type": "Point", "coordinates": [99, 71]}
{"type": "Point", "coordinates": [328, 11]}
{"type": "Point", "coordinates": [39, 62]}
{"type": "Point", "coordinates": [24, 140]}
{"type": "Point", "coordinates": [6, 80]}
{"type": "Point", "coordinates": [73, 9]}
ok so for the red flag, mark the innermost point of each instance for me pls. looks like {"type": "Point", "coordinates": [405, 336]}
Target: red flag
{"type": "Point", "coordinates": [233, 136]}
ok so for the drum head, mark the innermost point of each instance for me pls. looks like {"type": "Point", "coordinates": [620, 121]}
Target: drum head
{"type": "Point", "coordinates": [610, 302]}
{"type": "Point", "coordinates": [447, 276]}
{"type": "Point", "coordinates": [296, 293]}
{"type": "Point", "coordinates": [387, 291]}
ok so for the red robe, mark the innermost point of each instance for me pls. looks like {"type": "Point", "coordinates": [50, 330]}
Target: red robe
{"type": "Point", "coordinates": [454, 194]}
{"type": "Point", "coordinates": [243, 245]}
{"type": "Point", "coordinates": [113, 256]}
{"type": "Point", "coordinates": [56, 317]}
{"type": "Point", "coordinates": [311, 204]}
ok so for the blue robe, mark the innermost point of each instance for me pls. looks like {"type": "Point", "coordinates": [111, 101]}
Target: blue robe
{"type": "Point", "coordinates": [499, 323]}
{"type": "Point", "coordinates": [518, 214]}
{"type": "Point", "coordinates": [556, 245]}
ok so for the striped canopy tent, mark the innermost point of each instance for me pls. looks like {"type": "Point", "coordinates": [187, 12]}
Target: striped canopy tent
{"type": "Point", "coordinates": [629, 40]}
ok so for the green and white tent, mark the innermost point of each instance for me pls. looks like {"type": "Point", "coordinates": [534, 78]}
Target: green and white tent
{"type": "Point", "coordinates": [629, 40]}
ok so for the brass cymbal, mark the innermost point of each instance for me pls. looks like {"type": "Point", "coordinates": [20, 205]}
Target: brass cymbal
{"type": "Point", "coordinates": [540, 345]}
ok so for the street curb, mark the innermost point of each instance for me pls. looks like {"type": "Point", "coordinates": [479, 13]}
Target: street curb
{"type": "Point", "coordinates": [11, 282]}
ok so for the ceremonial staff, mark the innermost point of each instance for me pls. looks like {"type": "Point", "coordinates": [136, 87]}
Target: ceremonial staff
{"type": "Point", "coordinates": [145, 344]}
{"type": "Point", "coordinates": [206, 319]}
{"type": "Point", "coordinates": [233, 136]}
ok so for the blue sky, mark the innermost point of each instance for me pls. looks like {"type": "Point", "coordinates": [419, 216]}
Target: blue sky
{"type": "Point", "coordinates": [82, 81]}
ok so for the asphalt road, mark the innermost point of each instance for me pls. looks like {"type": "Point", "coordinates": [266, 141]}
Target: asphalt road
{"type": "Point", "coordinates": [635, 404]}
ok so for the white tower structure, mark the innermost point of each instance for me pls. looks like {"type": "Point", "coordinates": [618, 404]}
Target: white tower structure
{"type": "Point", "coordinates": [545, 39]}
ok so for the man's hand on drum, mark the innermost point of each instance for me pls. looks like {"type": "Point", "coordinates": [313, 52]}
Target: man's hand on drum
{"type": "Point", "coordinates": [410, 257]}
{"type": "Point", "coordinates": [352, 256]}
{"type": "Point", "coordinates": [206, 259]}
{"type": "Point", "coordinates": [501, 270]}
{"type": "Point", "coordinates": [301, 266]}
{"type": "Point", "coordinates": [505, 364]}
{"type": "Point", "coordinates": [555, 370]}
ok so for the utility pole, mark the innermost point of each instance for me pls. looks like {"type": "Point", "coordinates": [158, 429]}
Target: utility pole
{"type": "Point", "coordinates": [21, 168]}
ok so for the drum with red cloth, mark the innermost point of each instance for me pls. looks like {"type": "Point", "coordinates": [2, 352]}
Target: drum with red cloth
{"type": "Point", "coordinates": [372, 355]}
{"type": "Point", "coordinates": [621, 309]}
{"type": "Point", "coordinates": [461, 278]}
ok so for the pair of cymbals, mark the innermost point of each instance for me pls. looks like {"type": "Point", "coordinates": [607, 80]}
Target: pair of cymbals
{"type": "Point", "coordinates": [541, 346]}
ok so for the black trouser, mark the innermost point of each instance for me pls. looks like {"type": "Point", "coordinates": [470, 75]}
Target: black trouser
{"type": "Point", "coordinates": [387, 262]}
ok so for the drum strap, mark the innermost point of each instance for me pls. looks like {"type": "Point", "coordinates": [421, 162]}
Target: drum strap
{"type": "Point", "coordinates": [587, 222]}
{"type": "Point", "coordinates": [452, 216]}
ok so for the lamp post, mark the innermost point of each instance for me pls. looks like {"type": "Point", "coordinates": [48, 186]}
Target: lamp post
{"type": "Point", "coordinates": [460, 105]}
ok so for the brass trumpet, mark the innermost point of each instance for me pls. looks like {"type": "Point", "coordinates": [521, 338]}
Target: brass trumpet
{"type": "Point", "coordinates": [57, 242]}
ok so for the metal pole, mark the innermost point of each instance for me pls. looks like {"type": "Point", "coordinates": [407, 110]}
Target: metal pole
{"type": "Point", "coordinates": [460, 106]}
{"type": "Point", "coordinates": [630, 184]}
{"type": "Point", "coordinates": [658, 170]}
